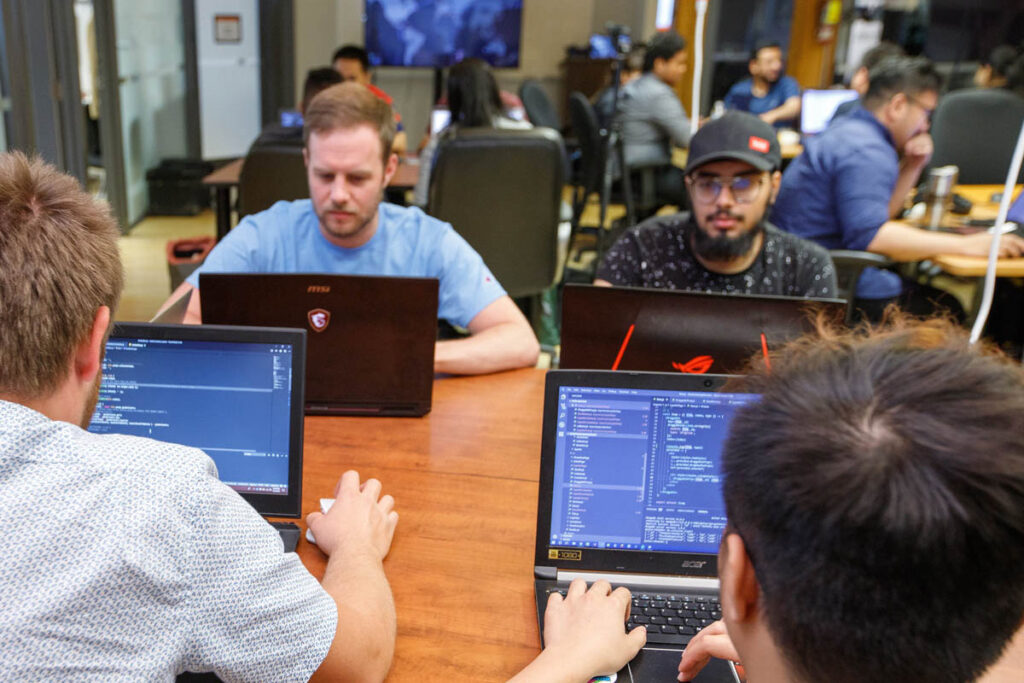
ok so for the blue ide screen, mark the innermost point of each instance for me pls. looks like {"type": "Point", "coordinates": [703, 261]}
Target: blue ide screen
{"type": "Point", "coordinates": [638, 469]}
{"type": "Point", "coordinates": [232, 400]}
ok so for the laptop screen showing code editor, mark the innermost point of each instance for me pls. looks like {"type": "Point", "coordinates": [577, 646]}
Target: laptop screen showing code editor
{"type": "Point", "coordinates": [639, 469]}
{"type": "Point", "coordinates": [230, 399]}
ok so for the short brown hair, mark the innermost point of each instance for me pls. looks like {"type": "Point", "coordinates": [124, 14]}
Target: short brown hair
{"type": "Point", "coordinates": [348, 105]}
{"type": "Point", "coordinates": [878, 485]}
{"type": "Point", "coordinates": [59, 263]}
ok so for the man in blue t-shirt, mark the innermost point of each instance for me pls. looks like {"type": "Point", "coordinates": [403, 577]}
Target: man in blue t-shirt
{"type": "Point", "coordinates": [767, 93]}
{"type": "Point", "coordinates": [344, 228]}
{"type": "Point", "coordinates": [851, 181]}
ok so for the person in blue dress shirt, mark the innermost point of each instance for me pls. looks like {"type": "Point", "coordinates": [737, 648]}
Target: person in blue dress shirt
{"type": "Point", "coordinates": [767, 93]}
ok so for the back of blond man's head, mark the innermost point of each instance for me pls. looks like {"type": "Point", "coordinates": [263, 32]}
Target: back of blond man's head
{"type": "Point", "coordinates": [59, 263]}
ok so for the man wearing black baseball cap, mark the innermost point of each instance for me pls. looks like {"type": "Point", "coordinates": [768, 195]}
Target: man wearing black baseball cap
{"type": "Point", "coordinates": [725, 244]}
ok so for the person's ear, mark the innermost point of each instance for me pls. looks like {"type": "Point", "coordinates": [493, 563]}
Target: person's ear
{"type": "Point", "coordinates": [740, 591]}
{"type": "Point", "coordinates": [88, 354]}
{"type": "Point", "coordinates": [390, 168]}
{"type": "Point", "coordinates": [776, 181]}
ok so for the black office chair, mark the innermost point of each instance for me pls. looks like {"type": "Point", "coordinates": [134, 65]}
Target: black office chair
{"type": "Point", "coordinates": [502, 191]}
{"type": "Point", "coordinates": [849, 264]}
{"type": "Point", "coordinates": [975, 130]}
{"type": "Point", "coordinates": [270, 174]}
{"type": "Point", "coordinates": [539, 106]}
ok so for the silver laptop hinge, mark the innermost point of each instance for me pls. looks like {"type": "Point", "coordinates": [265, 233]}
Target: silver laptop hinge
{"type": "Point", "coordinates": [681, 582]}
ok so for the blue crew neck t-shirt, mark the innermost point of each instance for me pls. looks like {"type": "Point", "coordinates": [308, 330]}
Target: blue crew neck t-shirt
{"type": "Point", "coordinates": [836, 193]}
{"type": "Point", "coordinates": [286, 238]}
{"type": "Point", "coordinates": [741, 96]}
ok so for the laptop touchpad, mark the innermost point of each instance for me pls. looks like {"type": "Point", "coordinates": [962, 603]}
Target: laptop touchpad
{"type": "Point", "coordinates": [655, 664]}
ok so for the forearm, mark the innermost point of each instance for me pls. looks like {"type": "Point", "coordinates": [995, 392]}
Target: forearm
{"type": "Point", "coordinates": [789, 109]}
{"type": "Point", "coordinates": [503, 346]}
{"type": "Point", "coordinates": [905, 183]}
{"type": "Point", "coordinates": [902, 242]}
{"type": "Point", "coordinates": [364, 643]}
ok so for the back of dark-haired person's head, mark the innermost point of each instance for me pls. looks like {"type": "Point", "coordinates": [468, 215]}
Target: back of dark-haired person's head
{"type": "Point", "coordinates": [353, 52]}
{"type": "Point", "coordinates": [1001, 59]}
{"type": "Point", "coordinates": [884, 49]}
{"type": "Point", "coordinates": [634, 60]}
{"type": "Point", "coordinates": [908, 75]}
{"type": "Point", "coordinates": [878, 487]}
{"type": "Point", "coordinates": [316, 80]}
{"type": "Point", "coordinates": [473, 96]}
{"type": "Point", "coordinates": [664, 45]}
{"type": "Point", "coordinates": [1015, 76]}
{"type": "Point", "coordinates": [764, 45]}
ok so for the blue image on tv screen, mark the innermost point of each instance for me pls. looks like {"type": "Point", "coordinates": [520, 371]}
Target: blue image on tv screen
{"type": "Point", "coordinates": [437, 33]}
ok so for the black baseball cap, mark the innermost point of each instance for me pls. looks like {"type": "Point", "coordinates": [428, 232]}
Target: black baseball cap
{"type": "Point", "coordinates": [735, 135]}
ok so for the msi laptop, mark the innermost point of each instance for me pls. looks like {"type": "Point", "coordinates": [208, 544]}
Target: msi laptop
{"type": "Point", "coordinates": [818, 106]}
{"type": "Point", "coordinates": [234, 392]}
{"type": "Point", "coordinates": [627, 328]}
{"type": "Point", "coordinates": [371, 339]}
{"type": "Point", "coordinates": [630, 492]}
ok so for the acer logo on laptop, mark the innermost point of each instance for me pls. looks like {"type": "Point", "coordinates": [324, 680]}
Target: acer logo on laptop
{"type": "Point", "coordinates": [318, 289]}
{"type": "Point", "coordinates": [693, 564]}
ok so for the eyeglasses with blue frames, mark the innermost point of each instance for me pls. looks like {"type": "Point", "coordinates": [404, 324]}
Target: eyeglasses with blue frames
{"type": "Point", "coordinates": [744, 188]}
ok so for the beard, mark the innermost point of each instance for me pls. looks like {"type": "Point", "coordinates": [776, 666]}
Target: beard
{"type": "Point", "coordinates": [722, 247]}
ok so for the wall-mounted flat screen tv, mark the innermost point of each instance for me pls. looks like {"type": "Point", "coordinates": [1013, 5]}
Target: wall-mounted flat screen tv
{"type": "Point", "coordinates": [437, 33]}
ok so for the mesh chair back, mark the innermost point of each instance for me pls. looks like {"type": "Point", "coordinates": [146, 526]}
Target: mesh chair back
{"type": "Point", "coordinates": [538, 105]}
{"type": "Point", "coordinates": [976, 130]}
{"type": "Point", "coordinates": [501, 190]}
{"type": "Point", "coordinates": [271, 174]}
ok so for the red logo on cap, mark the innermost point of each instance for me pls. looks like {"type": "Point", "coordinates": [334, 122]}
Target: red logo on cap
{"type": "Point", "coordinates": [759, 144]}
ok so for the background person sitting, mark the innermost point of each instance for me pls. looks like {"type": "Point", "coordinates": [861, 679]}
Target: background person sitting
{"type": "Point", "coordinates": [861, 77]}
{"type": "Point", "coordinates": [474, 103]}
{"type": "Point", "coordinates": [353, 63]}
{"type": "Point", "coordinates": [278, 133]}
{"type": "Point", "coordinates": [994, 71]}
{"type": "Point", "coordinates": [725, 244]}
{"type": "Point", "coordinates": [767, 93]}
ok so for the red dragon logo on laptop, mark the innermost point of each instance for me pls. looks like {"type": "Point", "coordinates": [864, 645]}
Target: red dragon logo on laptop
{"type": "Point", "coordinates": [319, 319]}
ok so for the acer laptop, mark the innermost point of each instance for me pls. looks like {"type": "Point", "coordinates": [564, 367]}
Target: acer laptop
{"type": "Point", "coordinates": [630, 492]}
{"type": "Point", "coordinates": [234, 392]}
{"type": "Point", "coordinates": [659, 330]}
{"type": "Point", "coordinates": [371, 339]}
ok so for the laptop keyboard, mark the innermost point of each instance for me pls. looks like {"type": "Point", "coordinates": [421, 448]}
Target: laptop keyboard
{"type": "Point", "coordinates": [671, 618]}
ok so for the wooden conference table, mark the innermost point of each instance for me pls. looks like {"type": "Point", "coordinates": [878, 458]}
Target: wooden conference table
{"type": "Point", "coordinates": [984, 208]}
{"type": "Point", "coordinates": [461, 565]}
{"type": "Point", "coordinates": [227, 177]}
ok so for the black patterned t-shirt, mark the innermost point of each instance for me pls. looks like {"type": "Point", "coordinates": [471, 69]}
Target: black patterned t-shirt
{"type": "Point", "coordinates": [656, 254]}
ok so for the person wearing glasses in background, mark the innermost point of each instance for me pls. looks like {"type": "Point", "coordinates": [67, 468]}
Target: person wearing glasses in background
{"type": "Point", "coordinates": [851, 181]}
{"type": "Point", "coordinates": [726, 244]}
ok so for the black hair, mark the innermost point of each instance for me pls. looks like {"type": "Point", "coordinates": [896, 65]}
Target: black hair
{"type": "Point", "coordinates": [1001, 59]}
{"type": "Point", "coordinates": [664, 45]}
{"type": "Point", "coordinates": [908, 75]}
{"type": "Point", "coordinates": [879, 52]}
{"type": "Point", "coordinates": [764, 45]}
{"type": "Point", "coordinates": [318, 79]}
{"type": "Point", "coordinates": [878, 487]}
{"type": "Point", "coordinates": [473, 95]}
{"type": "Point", "coordinates": [352, 52]}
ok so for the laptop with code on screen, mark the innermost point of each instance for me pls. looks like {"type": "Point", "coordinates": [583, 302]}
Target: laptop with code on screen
{"type": "Point", "coordinates": [236, 393]}
{"type": "Point", "coordinates": [630, 492]}
{"type": "Point", "coordinates": [371, 338]}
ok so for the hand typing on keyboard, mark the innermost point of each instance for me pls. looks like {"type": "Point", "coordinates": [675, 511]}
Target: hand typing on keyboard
{"type": "Point", "coordinates": [584, 634]}
{"type": "Point", "coordinates": [711, 641]}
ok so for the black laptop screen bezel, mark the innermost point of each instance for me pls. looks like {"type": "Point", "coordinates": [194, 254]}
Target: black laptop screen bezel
{"type": "Point", "coordinates": [604, 559]}
{"type": "Point", "coordinates": [268, 505]}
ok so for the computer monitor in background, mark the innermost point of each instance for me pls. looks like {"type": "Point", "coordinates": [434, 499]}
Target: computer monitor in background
{"type": "Point", "coordinates": [818, 106]}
